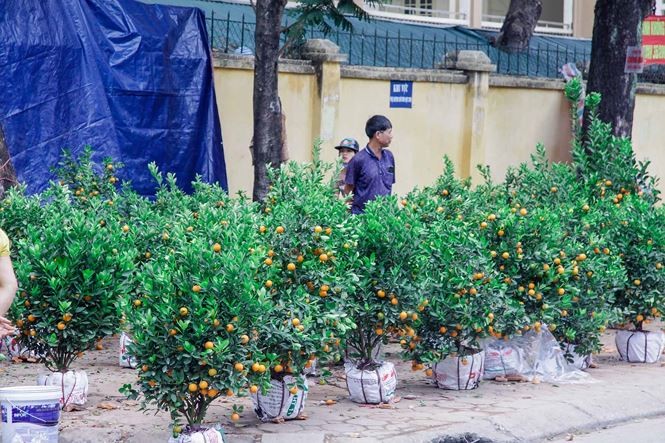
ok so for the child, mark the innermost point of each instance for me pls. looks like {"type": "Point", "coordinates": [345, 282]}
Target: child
{"type": "Point", "coordinates": [347, 149]}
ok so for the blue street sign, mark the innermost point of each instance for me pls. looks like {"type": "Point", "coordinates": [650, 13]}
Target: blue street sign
{"type": "Point", "coordinates": [401, 94]}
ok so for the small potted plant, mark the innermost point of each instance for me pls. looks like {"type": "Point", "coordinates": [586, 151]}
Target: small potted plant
{"type": "Point", "coordinates": [641, 247]}
{"type": "Point", "coordinates": [71, 272]}
{"type": "Point", "coordinates": [619, 186]}
{"type": "Point", "coordinates": [555, 271]}
{"type": "Point", "coordinates": [594, 273]}
{"type": "Point", "coordinates": [466, 303]}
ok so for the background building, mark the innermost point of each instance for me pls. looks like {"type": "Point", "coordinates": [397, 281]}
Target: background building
{"type": "Point", "coordinates": [562, 17]}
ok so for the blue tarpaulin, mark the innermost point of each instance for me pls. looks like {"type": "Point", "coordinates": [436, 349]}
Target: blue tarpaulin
{"type": "Point", "coordinates": [134, 81]}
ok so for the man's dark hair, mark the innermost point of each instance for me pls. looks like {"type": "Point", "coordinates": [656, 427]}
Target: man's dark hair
{"type": "Point", "coordinates": [377, 123]}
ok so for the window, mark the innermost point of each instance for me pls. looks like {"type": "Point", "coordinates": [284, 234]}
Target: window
{"type": "Point", "coordinates": [496, 8]}
{"type": "Point", "coordinates": [430, 8]}
{"type": "Point", "coordinates": [553, 15]}
{"type": "Point", "coordinates": [426, 7]}
{"type": "Point", "coordinates": [410, 7]}
{"type": "Point", "coordinates": [552, 11]}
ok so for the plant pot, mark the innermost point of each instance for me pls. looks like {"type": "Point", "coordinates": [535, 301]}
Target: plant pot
{"type": "Point", "coordinates": [214, 434]}
{"type": "Point", "coordinates": [579, 361]}
{"type": "Point", "coordinates": [459, 373]}
{"type": "Point", "coordinates": [73, 386]}
{"type": "Point", "coordinates": [371, 386]}
{"type": "Point", "coordinates": [640, 346]}
{"type": "Point", "coordinates": [124, 359]}
{"type": "Point", "coordinates": [502, 359]}
{"type": "Point", "coordinates": [278, 403]}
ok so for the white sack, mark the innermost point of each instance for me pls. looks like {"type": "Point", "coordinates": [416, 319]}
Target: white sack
{"type": "Point", "coordinates": [124, 359]}
{"type": "Point", "coordinates": [371, 387]}
{"type": "Point", "coordinates": [459, 373]}
{"type": "Point", "coordinates": [278, 402]}
{"type": "Point", "coordinates": [640, 346]}
{"type": "Point", "coordinates": [74, 386]}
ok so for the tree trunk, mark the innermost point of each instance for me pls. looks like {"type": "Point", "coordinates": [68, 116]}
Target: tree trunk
{"type": "Point", "coordinates": [617, 25]}
{"type": "Point", "coordinates": [267, 144]}
{"type": "Point", "coordinates": [7, 172]}
{"type": "Point", "coordinates": [519, 24]}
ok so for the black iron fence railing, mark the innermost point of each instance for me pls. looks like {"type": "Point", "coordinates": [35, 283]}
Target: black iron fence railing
{"type": "Point", "coordinates": [383, 48]}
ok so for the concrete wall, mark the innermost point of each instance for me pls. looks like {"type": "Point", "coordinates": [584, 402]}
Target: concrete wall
{"type": "Point", "coordinates": [450, 116]}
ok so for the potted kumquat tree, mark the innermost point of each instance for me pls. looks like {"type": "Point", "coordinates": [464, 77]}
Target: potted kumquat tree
{"type": "Point", "coordinates": [195, 318]}
{"type": "Point", "coordinates": [71, 271]}
{"type": "Point", "coordinates": [304, 238]}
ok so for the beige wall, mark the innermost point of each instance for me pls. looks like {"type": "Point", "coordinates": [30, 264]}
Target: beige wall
{"type": "Point", "coordinates": [518, 114]}
{"type": "Point", "coordinates": [233, 88]}
{"type": "Point", "coordinates": [422, 135]}
{"type": "Point", "coordinates": [521, 118]}
{"type": "Point", "coordinates": [648, 134]}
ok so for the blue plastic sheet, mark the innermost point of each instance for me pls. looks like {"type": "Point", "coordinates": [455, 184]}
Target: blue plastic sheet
{"type": "Point", "coordinates": [134, 81]}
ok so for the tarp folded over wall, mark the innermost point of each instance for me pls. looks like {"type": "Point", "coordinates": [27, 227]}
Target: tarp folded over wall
{"type": "Point", "coordinates": [134, 81]}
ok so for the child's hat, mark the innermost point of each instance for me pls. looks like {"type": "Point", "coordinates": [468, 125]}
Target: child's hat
{"type": "Point", "coordinates": [348, 143]}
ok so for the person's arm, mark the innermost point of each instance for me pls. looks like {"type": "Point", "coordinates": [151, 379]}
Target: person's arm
{"type": "Point", "coordinates": [8, 284]}
{"type": "Point", "coordinates": [351, 176]}
{"type": "Point", "coordinates": [8, 288]}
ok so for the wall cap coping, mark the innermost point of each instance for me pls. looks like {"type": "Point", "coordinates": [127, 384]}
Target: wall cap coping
{"type": "Point", "coordinates": [321, 50]}
{"type": "Point", "coordinates": [650, 88]}
{"type": "Point", "coordinates": [236, 61]}
{"type": "Point", "coordinates": [406, 74]}
{"type": "Point", "coordinates": [510, 81]}
{"type": "Point", "coordinates": [466, 60]}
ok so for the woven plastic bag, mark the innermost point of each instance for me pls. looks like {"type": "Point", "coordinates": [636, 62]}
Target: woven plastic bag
{"type": "Point", "coordinates": [581, 362]}
{"type": "Point", "coordinates": [279, 403]}
{"type": "Point", "coordinates": [371, 386]}
{"type": "Point", "coordinates": [459, 373]}
{"type": "Point", "coordinates": [640, 346]}
{"type": "Point", "coordinates": [74, 385]}
{"type": "Point", "coordinates": [502, 358]}
{"type": "Point", "coordinates": [213, 434]}
{"type": "Point", "coordinates": [124, 359]}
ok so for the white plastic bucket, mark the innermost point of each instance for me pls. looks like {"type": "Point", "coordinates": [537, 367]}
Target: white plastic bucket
{"type": "Point", "coordinates": [30, 414]}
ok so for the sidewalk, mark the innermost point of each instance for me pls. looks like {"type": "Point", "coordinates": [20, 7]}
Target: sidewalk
{"type": "Point", "coordinates": [495, 412]}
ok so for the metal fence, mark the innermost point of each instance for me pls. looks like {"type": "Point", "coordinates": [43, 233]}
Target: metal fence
{"type": "Point", "coordinates": [405, 50]}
